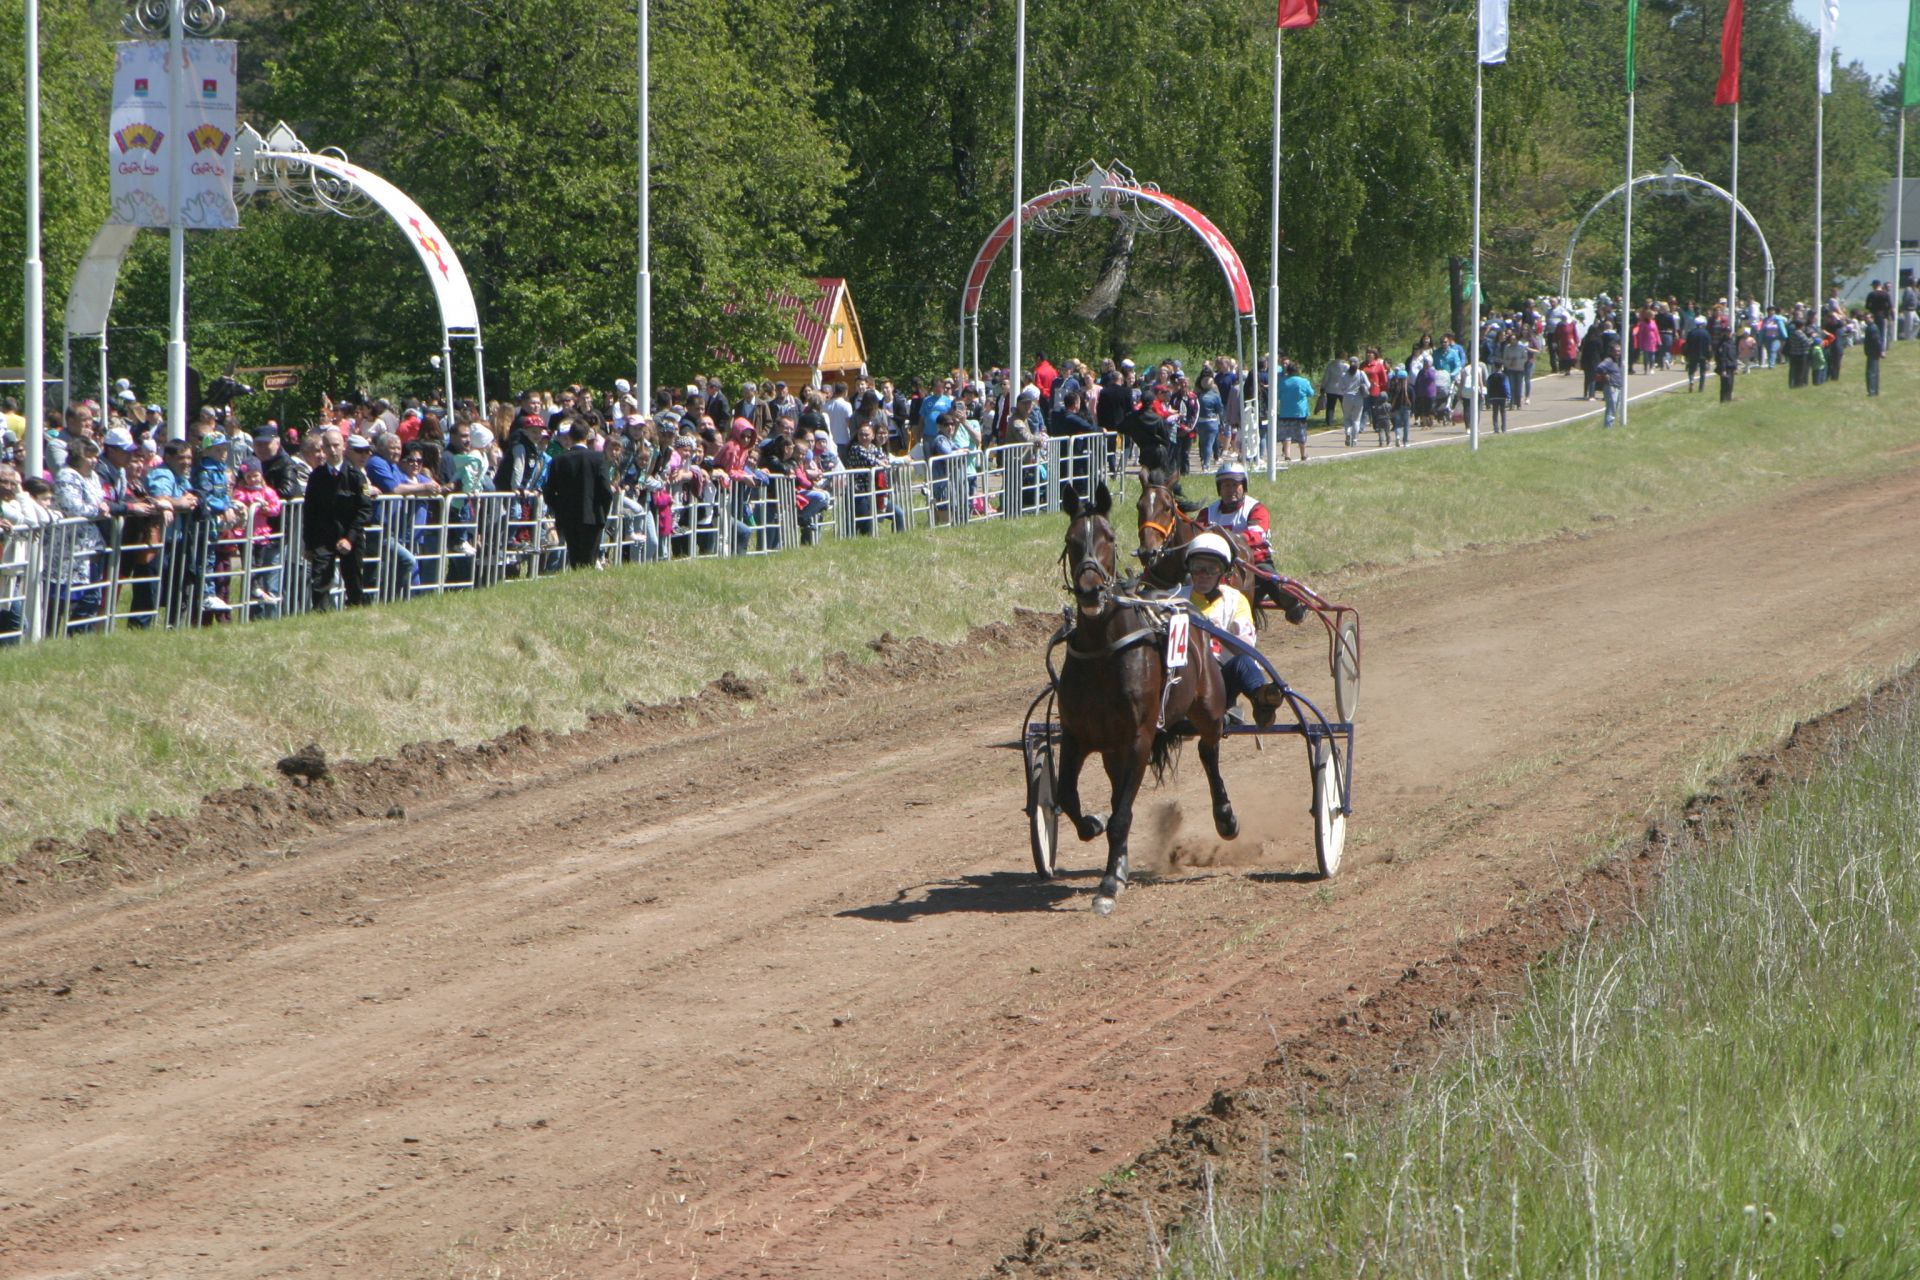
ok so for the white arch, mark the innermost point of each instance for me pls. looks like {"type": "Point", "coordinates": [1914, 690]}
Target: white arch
{"type": "Point", "coordinates": [1566, 262]}
{"type": "Point", "coordinates": [90, 298]}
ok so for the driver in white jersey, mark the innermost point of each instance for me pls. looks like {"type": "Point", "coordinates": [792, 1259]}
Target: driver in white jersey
{"type": "Point", "coordinates": [1247, 516]}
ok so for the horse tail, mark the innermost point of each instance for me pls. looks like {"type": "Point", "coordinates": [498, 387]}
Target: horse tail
{"type": "Point", "coordinates": [1165, 755]}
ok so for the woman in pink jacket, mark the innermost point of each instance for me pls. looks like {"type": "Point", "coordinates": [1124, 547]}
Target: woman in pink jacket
{"type": "Point", "coordinates": [1646, 341]}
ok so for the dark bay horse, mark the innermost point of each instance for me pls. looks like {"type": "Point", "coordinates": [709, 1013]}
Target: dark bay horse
{"type": "Point", "coordinates": [1166, 526]}
{"type": "Point", "coordinates": [1111, 692]}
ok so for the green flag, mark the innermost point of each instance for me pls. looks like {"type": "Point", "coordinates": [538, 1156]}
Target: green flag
{"type": "Point", "coordinates": [1910, 91]}
{"type": "Point", "coordinates": [1633, 20]}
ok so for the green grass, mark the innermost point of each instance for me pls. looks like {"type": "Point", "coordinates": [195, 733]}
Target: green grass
{"type": "Point", "coordinates": [1729, 1091]}
{"type": "Point", "coordinates": [134, 722]}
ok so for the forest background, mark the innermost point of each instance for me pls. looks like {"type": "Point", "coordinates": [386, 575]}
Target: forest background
{"type": "Point", "coordinates": [872, 139]}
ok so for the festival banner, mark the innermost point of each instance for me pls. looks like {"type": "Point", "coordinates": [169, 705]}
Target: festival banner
{"type": "Point", "coordinates": [1493, 32]}
{"type": "Point", "coordinates": [1727, 92]}
{"type": "Point", "coordinates": [137, 142]}
{"type": "Point", "coordinates": [209, 122]}
{"type": "Point", "coordinates": [1295, 14]}
{"type": "Point", "coordinates": [141, 148]}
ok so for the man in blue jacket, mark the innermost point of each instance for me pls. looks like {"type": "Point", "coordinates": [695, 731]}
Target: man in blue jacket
{"type": "Point", "coordinates": [1296, 403]}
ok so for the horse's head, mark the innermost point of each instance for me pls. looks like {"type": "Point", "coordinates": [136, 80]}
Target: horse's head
{"type": "Point", "coordinates": [1090, 559]}
{"type": "Point", "coordinates": [1159, 514]}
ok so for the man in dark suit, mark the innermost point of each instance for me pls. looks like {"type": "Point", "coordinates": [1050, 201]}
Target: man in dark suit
{"type": "Point", "coordinates": [339, 508]}
{"type": "Point", "coordinates": [579, 495]}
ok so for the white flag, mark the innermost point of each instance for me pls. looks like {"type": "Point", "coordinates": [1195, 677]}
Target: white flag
{"type": "Point", "coordinates": [1493, 31]}
{"type": "Point", "coordinates": [1829, 28]}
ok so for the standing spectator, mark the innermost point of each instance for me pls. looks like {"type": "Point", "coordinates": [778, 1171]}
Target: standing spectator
{"type": "Point", "coordinates": [1697, 346]}
{"type": "Point", "coordinates": [1353, 401]}
{"type": "Point", "coordinates": [1799, 349]}
{"type": "Point", "coordinates": [1400, 404]}
{"type": "Point", "coordinates": [1726, 363]}
{"type": "Point", "coordinates": [1499, 392]}
{"type": "Point", "coordinates": [579, 495]}
{"type": "Point", "coordinates": [839, 411]}
{"type": "Point", "coordinates": [258, 507]}
{"type": "Point", "coordinates": [1606, 380]}
{"type": "Point", "coordinates": [1873, 346]}
{"type": "Point", "coordinates": [275, 464]}
{"type": "Point", "coordinates": [1296, 404]}
{"type": "Point", "coordinates": [339, 507]}
{"type": "Point", "coordinates": [521, 457]}
{"type": "Point", "coordinates": [1209, 417]}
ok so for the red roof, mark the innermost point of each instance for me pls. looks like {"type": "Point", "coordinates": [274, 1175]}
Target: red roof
{"type": "Point", "coordinates": [811, 319]}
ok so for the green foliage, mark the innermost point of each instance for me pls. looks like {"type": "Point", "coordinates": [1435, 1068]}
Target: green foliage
{"type": "Point", "coordinates": [873, 141]}
{"type": "Point", "coordinates": [75, 60]}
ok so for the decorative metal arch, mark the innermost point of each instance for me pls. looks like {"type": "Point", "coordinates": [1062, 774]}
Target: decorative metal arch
{"type": "Point", "coordinates": [1110, 192]}
{"type": "Point", "coordinates": [1670, 181]}
{"type": "Point", "coordinates": [279, 166]}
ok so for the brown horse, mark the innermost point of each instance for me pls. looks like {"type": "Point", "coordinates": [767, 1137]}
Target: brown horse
{"type": "Point", "coordinates": [1111, 692]}
{"type": "Point", "coordinates": [1167, 526]}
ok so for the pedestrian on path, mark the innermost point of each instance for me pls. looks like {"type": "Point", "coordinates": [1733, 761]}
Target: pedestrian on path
{"type": "Point", "coordinates": [1698, 349]}
{"type": "Point", "coordinates": [1296, 404]}
{"type": "Point", "coordinates": [1606, 379]}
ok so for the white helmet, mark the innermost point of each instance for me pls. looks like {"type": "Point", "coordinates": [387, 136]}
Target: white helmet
{"type": "Point", "coordinates": [1230, 471]}
{"type": "Point", "coordinates": [1211, 544]}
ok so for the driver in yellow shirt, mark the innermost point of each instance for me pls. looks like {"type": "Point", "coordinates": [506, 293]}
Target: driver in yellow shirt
{"type": "Point", "coordinates": [1208, 556]}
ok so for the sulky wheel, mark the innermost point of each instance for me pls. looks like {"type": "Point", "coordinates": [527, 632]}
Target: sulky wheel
{"type": "Point", "coordinates": [1329, 805]}
{"type": "Point", "coordinates": [1346, 667]}
{"type": "Point", "coordinates": [1043, 810]}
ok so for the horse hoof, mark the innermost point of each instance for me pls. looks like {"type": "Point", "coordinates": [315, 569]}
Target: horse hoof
{"type": "Point", "coordinates": [1226, 824]}
{"type": "Point", "coordinates": [1090, 826]}
{"type": "Point", "coordinates": [1102, 905]}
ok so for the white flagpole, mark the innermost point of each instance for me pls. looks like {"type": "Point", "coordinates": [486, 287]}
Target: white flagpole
{"type": "Point", "coordinates": [1019, 196]}
{"type": "Point", "coordinates": [1819, 201]}
{"type": "Point", "coordinates": [176, 230]}
{"type": "Point", "coordinates": [1899, 213]}
{"type": "Point", "coordinates": [35, 281]}
{"type": "Point", "coordinates": [1733, 231]}
{"type": "Point", "coordinates": [1473, 335]}
{"type": "Point", "coordinates": [643, 281]}
{"type": "Point", "coordinates": [1273, 288]}
{"type": "Point", "coordinates": [1626, 278]}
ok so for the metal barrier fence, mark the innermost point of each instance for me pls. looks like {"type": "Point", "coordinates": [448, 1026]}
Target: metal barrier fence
{"type": "Point", "coordinates": [76, 576]}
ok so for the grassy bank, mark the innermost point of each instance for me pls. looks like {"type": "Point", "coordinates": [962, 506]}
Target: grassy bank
{"type": "Point", "coordinates": [1728, 1091]}
{"type": "Point", "coordinates": [132, 722]}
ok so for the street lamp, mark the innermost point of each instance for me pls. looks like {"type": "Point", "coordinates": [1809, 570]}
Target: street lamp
{"type": "Point", "coordinates": [179, 19]}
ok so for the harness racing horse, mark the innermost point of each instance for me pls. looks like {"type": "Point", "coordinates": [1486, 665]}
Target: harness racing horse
{"type": "Point", "coordinates": [1166, 526]}
{"type": "Point", "coordinates": [1113, 694]}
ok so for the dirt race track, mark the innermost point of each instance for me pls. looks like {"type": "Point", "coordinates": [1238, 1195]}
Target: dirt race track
{"type": "Point", "coordinates": [773, 994]}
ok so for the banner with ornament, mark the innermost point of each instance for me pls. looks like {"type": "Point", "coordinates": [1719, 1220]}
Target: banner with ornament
{"type": "Point", "coordinates": [142, 148]}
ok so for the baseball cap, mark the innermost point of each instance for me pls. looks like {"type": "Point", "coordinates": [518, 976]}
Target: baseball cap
{"type": "Point", "coordinates": [622, 386]}
{"type": "Point", "coordinates": [213, 440]}
{"type": "Point", "coordinates": [124, 396]}
{"type": "Point", "coordinates": [821, 435]}
{"type": "Point", "coordinates": [264, 434]}
{"type": "Point", "coordinates": [118, 438]}
{"type": "Point", "coordinates": [358, 441]}
{"type": "Point", "coordinates": [1126, 364]}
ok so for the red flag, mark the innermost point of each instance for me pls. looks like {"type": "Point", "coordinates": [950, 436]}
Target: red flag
{"type": "Point", "coordinates": [1727, 92]}
{"type": "Point", "coordinates": [1295, 14]}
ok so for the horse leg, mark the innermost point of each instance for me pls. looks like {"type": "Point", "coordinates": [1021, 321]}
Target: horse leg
{"type": "Point", "coordinates": [1223, 820]}
{"type": "Point", "coordinates": [1126, 773]}
{"type": "Point", "coordinates": [1067, 789]}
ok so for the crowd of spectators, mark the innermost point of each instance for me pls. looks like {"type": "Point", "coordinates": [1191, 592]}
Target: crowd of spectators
{"type": "Point", "coordinates": [214, 504]}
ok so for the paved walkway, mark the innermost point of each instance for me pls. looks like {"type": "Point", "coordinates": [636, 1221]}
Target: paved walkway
{"type": "Point", "coordinates": [1556, 402]}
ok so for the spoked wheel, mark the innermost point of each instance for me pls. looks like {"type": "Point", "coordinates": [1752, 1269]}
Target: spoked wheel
{"type": "Point", "coordinates": [1329, 807]}
{"type": "Point", "coordinates": [1346, 666]}
{"type": "Point", "coordinates": [1043, 811]}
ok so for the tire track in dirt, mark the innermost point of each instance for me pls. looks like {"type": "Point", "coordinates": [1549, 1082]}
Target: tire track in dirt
{"type": "Point", "coordinates": [773, 997]}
